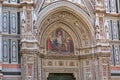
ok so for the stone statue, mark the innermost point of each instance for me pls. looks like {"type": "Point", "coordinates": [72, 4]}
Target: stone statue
{"type": "Point", "coordinates": [97, 31]}
{"type": "Point", "coordinates": [106, 30]}
{"type": "Point", "coordinates": [23, 23]}
{"type": "Point", "coordinates": [23, 26]}
{"type": "Point", "coordinates": [34, 24]}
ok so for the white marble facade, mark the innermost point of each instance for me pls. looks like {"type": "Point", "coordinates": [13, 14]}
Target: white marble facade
{"type": "Point", "coordinates": [41, 37]}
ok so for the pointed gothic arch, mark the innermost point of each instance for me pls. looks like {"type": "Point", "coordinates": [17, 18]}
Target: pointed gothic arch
{"type": "Point", "coordinates": [67, 6]}
{"type": "Point", "coordinates": [82, 17]}
{"type": "Point", "coordinates": [77, 30]}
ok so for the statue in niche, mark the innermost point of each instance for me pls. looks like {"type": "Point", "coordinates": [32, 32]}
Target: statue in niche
{"type": "Point", "coordinates": [59, 42]}
{"type": "Point", "coordinates": [23, 26]}
{"type": "Point", "coordinates": [97, 32]}
{"type": "Point", "coordinates": [107, 32]}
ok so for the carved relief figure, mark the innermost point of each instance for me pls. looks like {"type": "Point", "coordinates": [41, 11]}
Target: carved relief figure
{"type": "Point", "coordinates": [59, 42]}
{"type": "Point", "coordinates": [97, 32]}
{"type": "Point", "coordinates": [23, 26]}
{"type": "Point", "coordinates": [49, 44]}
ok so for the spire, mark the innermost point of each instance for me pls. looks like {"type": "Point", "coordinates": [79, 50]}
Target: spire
{"type": "Point", "coordinates": [23, 16]}
{"type": "Point", "coordinates": [34, 16]}
{"type": "Point", "coordinates": [96, 22]}
{"type": "Point", "coordinates": [106, 24]}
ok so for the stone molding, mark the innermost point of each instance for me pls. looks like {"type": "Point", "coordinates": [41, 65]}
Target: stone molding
{"type": "Point", "coordinates": [67, 6]}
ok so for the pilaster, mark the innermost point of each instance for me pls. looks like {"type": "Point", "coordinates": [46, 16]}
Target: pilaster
{"type": "Point", "coordinates": [29, 44]}
{"type": "Point", "coordinates": [29, 52]}
{"type": "Point", "coordinates": [29, 64]}
{"type": "Point", "coordinates": [102, 42]}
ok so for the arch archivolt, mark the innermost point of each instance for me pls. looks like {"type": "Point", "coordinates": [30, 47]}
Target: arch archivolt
{"type": "Point", "coordinates": [63, 26]}
{"type": "Point", "coordinates": [74, 26]}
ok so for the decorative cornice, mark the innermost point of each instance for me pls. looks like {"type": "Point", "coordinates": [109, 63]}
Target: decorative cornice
{"type": "Point", "coordinates": [100, 11]}
{"type": "Point", "coordinates": [72, 56]}
{"type": "Point", "coordinates": [12, 5]}
{"type": "Point", "coordinates": [95, 55]}
{"type": "Point", "coordinates": [114, 41]}
{"type": "Point", "coordinates": [60, 56]}
{"type": "Point", "coordinates": [27, 4]}
{"type": "Point", "coordinates": [17, 5]}
{"type": "Point", "coordinates": [29, 51]}
{"type": "Point", "coordinates": [11, 35]}
{"type": "Point", "coordinates": [113, 14]}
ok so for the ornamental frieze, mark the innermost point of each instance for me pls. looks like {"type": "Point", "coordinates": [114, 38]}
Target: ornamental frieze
{"type": "Point", "coordinates": [60, 63]}
{"type": "Point", "coordinates": [30, 58]}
